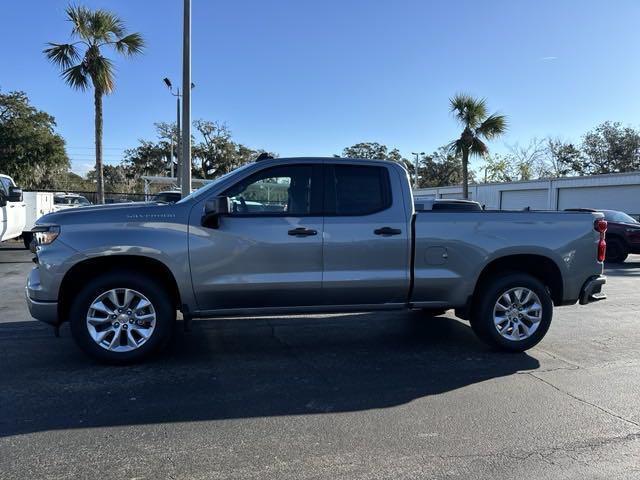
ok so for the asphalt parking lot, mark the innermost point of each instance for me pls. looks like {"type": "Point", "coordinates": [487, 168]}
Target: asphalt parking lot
{"type": "Point", "coordinates": [372, 396]}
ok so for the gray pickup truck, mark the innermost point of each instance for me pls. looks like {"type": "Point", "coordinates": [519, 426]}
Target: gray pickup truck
{"type": "Point", "coordinates": [303, 235]}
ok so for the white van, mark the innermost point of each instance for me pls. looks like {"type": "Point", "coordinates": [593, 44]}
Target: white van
{"type": "Point", "coordinates": [12, 209]}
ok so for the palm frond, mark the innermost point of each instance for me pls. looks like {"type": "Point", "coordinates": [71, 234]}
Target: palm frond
{"type": "Point", "coordinates": [106, 25]}
{"type": "Point", "coordinates": [63, 55]}
{"type": "Point", "coordinates": [95, 28]}
{"type": "Point", "coordinates": [102, 73]}
{"type": "Point", "coordinates": [478, 148]}
{"type": "Point", "coordinates": [468, 110]}
{"type": "Point", "coordinates": [80, 17]}
{"type": "Point", "coordinates": [492, 126]}
{"type": "Point", "coordinates": [131, 44]}
{"type": "Point", "coordinates": [455, 147]}
{"type": "Point", "coordinates": [76, 77]}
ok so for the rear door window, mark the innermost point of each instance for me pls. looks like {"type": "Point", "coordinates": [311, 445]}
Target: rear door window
{"type": "Point", "coordinates": [356, 189]}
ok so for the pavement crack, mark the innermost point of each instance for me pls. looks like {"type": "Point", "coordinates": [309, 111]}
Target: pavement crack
{"type": "Point", "coordinates": [560, 359]}
{"type": "Point", "coordinates": [586, 402]}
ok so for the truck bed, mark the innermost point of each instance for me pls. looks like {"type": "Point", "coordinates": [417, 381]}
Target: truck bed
{"type": "Point", "coordinates": [453, 247]}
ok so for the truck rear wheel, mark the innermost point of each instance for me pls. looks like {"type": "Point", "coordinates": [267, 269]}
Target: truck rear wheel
{"type": "Point", "coordinates": [513, 312]}
{"type": "Point", "coordinates": [122, 317]}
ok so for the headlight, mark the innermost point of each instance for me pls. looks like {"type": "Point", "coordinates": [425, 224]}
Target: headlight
{"type": "Point", "coordinates": [45, 234]}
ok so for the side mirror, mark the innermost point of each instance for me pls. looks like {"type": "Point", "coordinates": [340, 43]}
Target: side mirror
{"type": "Point", "coordinates": [214, 209]}
{"type": "Point", "coordinates": [15, 194]}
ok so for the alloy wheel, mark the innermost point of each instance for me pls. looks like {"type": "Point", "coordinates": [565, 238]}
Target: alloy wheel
{"type": "Point", "coordinates": [121, 320]}
{"type": "Point", "coordinates": [517, 313]}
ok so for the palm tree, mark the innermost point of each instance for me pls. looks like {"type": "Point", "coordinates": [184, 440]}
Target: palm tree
{"type": "Point", "coordinates": [478, 125]}
{"type": "Point", "coordinates": [83, 64]}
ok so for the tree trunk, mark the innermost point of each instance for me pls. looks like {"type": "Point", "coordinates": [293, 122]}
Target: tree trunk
{"type": "Point", "coordinates": [465, 174]}
{"type": "Point", "coordinates": [97, 99]}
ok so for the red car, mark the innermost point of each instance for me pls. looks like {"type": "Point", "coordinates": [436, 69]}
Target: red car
{"type": "Point", "coordinates": [623, 234]}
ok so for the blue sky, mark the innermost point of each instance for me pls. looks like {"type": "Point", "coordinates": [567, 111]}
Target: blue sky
{"type": "Point", "coordinates": [311, 77]}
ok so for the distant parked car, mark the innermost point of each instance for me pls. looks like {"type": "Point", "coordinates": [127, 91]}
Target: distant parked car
{"type": "Point", "coordinates": [623, 234]}
{"type": "Point", "coordinates": [446, 204]}
{"type": "Point", "coordinates": [170, 196]}
{"type": "Point", "coordinates": [64, 201]}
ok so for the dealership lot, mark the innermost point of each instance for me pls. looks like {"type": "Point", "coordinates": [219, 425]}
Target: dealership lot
{"type": "Point", "coordinates": [385, 395]}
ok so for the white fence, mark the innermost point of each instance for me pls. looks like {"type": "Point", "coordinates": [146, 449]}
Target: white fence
{"type": "Point", "coordinates": [618, 191]}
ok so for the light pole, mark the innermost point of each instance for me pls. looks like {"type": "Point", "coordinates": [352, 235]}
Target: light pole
{"type": "Point", "coordinates": [415, 184]}
{"type": "Point", "coordinates": [186, 104]}
{"type": "Point", "coordinates": [177, 95]}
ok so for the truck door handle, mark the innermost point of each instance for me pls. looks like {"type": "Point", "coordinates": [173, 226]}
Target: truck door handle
{"type": "Point", "coordinates": [302, 232]}
{"type": "Point", "coordinates": [387, 231]}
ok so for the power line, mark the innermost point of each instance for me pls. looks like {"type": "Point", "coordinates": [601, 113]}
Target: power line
{"type": "Point", "coordinates": [93, 148]}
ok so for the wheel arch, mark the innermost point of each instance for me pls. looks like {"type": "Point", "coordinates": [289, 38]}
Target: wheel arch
{"type": "Point", "coordinates": [75, 278]}
{"type": "Point", "coordinates": [539, 266]}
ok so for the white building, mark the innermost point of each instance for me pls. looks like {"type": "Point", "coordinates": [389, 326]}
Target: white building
{"type": "Point", "coordinates": [616, 191]}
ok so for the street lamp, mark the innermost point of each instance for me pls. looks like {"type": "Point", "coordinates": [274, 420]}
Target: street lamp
{"type": "Point", "coordinates": [178, 96]}
{"type": "Point", "coordinates": [415, 184]}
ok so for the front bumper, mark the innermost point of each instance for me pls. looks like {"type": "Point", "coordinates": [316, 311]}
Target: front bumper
{"type": "Point", "coordinates": [41, 305]}
{"type": "Point", "coordinates": [592, 290]}
{"type": "Point", "coordinates": [46, 312]}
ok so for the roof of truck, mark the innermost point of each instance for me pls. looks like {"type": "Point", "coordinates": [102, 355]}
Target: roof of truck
{"type": "Point", "coordinates": [329, 160]}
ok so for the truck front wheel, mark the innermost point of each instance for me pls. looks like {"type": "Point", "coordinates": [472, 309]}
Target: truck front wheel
{"type": "Point", "coordinates": [122, 317]}
{"type": "Point", "coordinates": [512, 312]}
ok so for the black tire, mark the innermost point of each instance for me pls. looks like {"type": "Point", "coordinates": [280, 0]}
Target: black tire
{"type": "Point", "coordinates": [26, 238]}
{"type": "Point", "coordinates": [616, 251]}
{"type": "Point", "coordinates": [154, 291]}
{"type": "Point", "coordinates": [482, 316]}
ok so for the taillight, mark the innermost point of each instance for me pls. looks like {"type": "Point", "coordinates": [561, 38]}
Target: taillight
{"type": "Point", "coordinates": [600, 226]}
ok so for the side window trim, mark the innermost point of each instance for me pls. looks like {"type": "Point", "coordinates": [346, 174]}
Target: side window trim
{"type": "Point", "coordinates": [331, 195]}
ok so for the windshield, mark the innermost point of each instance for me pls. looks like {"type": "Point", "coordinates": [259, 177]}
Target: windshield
{"type": "Point", "coordinates": [168, 197]}
{"type": "Point", "coordinates": [214, 183]}
{"type": "Point", "coordinates": [618, 217]}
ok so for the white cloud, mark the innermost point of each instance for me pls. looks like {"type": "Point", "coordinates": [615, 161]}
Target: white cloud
{"type": "Point", "coordinates": [82, 167]}
{"type": "Point", "coordinates": [548, 59]}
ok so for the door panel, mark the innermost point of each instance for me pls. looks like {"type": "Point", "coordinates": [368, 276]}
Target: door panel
{"type": "Point", "coordinates": [253, 262]}
{"type": "Point", "coordinates": [265, 254]}
{"type": "Point", "coordinates": [366, 237]}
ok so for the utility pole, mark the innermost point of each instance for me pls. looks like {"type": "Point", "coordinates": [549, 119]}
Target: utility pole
{"type": "Point", "coordinates": [186, 104]}
{"type": "Point", "coordinates": [417, 166]}
{"type": "Point", "coordinates": [178, 137]}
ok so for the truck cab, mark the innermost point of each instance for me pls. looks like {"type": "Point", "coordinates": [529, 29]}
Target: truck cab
{"type": "Point", "coordinates": [12, 209]}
